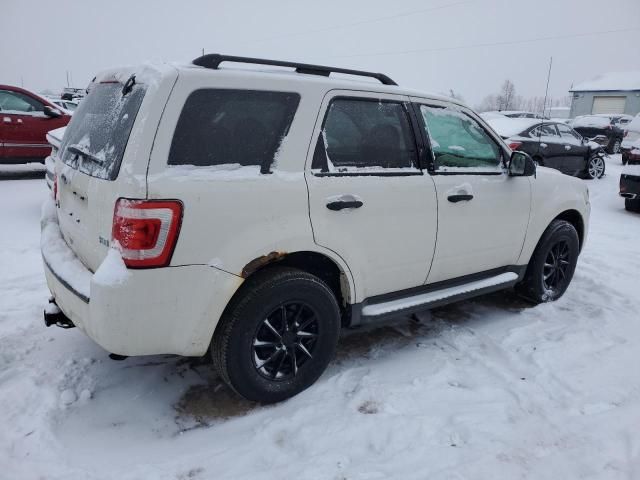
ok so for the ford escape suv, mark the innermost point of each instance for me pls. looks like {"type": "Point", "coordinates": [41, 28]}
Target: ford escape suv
{"type": "Point", "coordinates": [250, 214]}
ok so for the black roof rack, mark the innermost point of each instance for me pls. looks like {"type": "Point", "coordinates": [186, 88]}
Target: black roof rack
{"type": "Point", "coordinates": [213, 60]}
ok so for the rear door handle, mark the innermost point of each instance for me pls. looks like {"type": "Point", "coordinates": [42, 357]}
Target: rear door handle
{"type": "Point", "coordinates": [6, 119]}
{"type": "Point", "coordinates": [341, 204]}
{"type": "Point", "coordinates": [460, 198]}
{"type": "Point", "coordinates": [567, 147]}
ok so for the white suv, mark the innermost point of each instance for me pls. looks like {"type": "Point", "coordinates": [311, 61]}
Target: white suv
{"type": "Point", "coordinates": [254, 213]}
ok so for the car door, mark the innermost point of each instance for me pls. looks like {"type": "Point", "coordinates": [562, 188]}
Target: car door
{"type": "Point", "coordinates": [575, 150]}
{"type": "Point", "coordinates": [551, 148]}
{"type": "Point", "coordinates": [24, 127]}
{"type": "Point", "coordinates": [483, 213]}
{"type": "Point", "coordinates": [369, 202]}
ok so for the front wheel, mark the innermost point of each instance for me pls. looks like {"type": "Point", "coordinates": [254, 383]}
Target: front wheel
{"type": "Point", "coordinates": [277, 336]}
{"type": "Point", "coordinates": [552, 264]}
{"type": "Point", "coordinates": [595, 167]}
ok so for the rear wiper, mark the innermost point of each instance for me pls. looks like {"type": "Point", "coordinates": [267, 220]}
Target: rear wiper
{"type": "Point", "coordinates": [78, 150]}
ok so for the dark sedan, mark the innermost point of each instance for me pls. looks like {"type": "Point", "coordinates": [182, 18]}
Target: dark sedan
{"type": "Point", "coordinates": [552, 144]}
{"type": "Point", "coordinates": [607, 130]}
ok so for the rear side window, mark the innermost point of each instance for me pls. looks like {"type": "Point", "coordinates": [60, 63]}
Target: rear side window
{"type": "Point", "coordinates": [359, 133]}
{"type": "Point", "coordinates": [241, 127]}
{"type": "Point", "coordinates": [99, 130]}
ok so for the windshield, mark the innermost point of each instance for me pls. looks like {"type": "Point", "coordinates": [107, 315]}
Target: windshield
{"type": "Point", "coordinates": [98, 133]}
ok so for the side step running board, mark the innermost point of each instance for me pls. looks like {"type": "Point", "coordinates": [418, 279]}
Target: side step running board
{"type": "Point", "coordinates": [439, 297]}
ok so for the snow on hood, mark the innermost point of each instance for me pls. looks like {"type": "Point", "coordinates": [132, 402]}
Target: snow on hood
{"type": "Point", "coordinates": [508, 127]}
{"type": "Point", "coordinates": [591, 121]}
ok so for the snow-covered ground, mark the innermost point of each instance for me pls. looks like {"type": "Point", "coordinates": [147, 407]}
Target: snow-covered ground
{"type": "Point", "coordinates": [486, 389]}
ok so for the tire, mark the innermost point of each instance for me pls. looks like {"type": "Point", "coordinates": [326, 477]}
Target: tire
{"type": "Point", "coordinates": [261, 359]}
{"type": "Point", "coordinates": [542, 283]}
{"type": "Point", "coordinates": [632, 205]}
{"type": "Point", "coordinates": [614, 146]}
{"type": "Point", "coordinates": [595, 167]}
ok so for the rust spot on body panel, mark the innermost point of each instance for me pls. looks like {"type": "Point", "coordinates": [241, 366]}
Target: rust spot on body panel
{"type": "Point", "coordinates": [258, 263]}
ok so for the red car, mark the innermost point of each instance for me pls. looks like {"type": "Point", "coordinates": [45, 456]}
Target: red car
{"type": "Point", "coordinates": [25, 119]}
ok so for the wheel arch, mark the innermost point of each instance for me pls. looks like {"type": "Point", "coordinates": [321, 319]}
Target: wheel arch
{"type": "Point", "coordinates": [574, 218]}
{"type": "Point", "coordinates": [329, 269]}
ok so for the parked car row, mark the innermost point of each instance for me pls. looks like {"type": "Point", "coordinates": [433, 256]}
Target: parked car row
{"type": "Point", "coordinates": [552, 144]}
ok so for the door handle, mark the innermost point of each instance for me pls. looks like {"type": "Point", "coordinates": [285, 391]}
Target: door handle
{"type": "Point", "coordinates": [567, 147]}
{"type": "Point", "coordinates": [6, 119]}
{"type": "Point", "coordinates": [341, 204]}
{"type": "Point", "coordinates": [460, 198]}
{"type": "Point", "coordinates": [544, 145]}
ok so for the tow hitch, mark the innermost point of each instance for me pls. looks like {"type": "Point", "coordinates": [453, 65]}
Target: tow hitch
{"type": "Point", "coordinates": [54, 316]}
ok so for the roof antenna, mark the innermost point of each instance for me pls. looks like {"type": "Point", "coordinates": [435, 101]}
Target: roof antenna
{"type": "Point", "coordinates": [546, 92]}
{"type": "Point", "coordinates": [544, 104]}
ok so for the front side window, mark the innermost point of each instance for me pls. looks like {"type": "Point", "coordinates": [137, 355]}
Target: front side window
{"type": "Point", "coordinates": [241, 127]}
{"type": "Point", "coordinates": [545, 130]}
{"type": "Point", "coordinates": [363, 133]}
{"type": "Point", "coordinates": [459, 142]}
{"type": "Point", "coordinates": [18, 102]}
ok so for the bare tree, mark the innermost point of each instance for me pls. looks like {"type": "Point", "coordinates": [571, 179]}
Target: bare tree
{"type": "Point", "coordinates": [507, 96]}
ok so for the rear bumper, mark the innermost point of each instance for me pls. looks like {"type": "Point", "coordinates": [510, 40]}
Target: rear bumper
{"type": "Point", "coordinates": [166, 310]}
{"type": "Point", "coordinates": [630, 186]}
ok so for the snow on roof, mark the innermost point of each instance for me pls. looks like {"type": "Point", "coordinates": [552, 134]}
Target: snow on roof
{"type": "Point", "coordinates": [508, 127]}
{"type": "Point", "coordinates": [610, 81]}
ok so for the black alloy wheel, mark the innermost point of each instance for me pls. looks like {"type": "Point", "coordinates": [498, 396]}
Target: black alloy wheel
{"type": "Point", "coordinates": [556, 267]}
{"type": "Point", "coordinates": [285, 340]}
{"type": "Point", "coordinates": [277, 335]}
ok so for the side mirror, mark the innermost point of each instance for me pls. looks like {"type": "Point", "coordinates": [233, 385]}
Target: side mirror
{"type": "Point", "coordinates": [521, 165]}
{"type": "Point", "coordinates": [52, 112]}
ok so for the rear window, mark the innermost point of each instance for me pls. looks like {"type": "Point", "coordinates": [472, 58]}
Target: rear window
{"type": "Point", "coordinates": [243, 127]}
{"type": "Point", "coordinates": [98, 132]}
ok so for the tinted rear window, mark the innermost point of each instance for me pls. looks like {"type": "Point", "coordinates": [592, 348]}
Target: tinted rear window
{"type": "Point", "coordinates": [242, 127]}
{"type": "Point", "coordinates": [98, 133]}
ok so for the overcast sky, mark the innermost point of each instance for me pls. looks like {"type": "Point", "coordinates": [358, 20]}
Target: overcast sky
{"type": "Point", "coordinates": [470, 46]}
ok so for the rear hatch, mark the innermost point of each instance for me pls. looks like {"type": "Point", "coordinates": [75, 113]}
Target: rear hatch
{"type": "Point", "coordinates": [104, 155]}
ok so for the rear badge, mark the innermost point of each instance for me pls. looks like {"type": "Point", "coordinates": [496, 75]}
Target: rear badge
{"type": "Point", "coordinates": [103, 241]}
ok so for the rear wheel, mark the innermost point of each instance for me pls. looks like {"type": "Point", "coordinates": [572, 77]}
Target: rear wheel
{"type": "Point", "coordinates": [632, 205]}
{"type": "Point", "coordinates": [277, 336]}
{"type": "Point", "coordinates": [595, 167]}
{"type": "Point", "coordinates": [552, 264]}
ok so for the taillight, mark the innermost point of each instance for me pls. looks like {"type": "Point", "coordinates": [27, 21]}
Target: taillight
{"type": "Point", "coordinates": [626, 132]}
{"type": "Point", "coordinates": [55, 187]}
{"type": "Point", "coordinates": [514, 145]}
{"type": "Point", "coordinates": [146, 231]}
